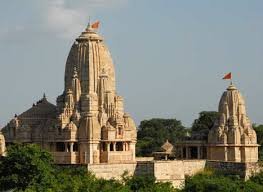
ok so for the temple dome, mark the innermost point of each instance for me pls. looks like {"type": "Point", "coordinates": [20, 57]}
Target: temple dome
{"type": "Point", "coordinates": [41, 110]}
{"type": "Point", "coordinates": [89, 57]}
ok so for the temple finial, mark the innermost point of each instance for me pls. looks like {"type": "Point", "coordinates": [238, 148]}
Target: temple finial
{"type": "Point", "coordinates": [89, 25]}
{"type": "Point", "coordinates": [44, 98]}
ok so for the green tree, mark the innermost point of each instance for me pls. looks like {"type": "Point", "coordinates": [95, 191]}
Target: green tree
{"type": "Point", "coordinates": [146, 183]}
{"type": "Point", "coordinates": [154, 132]}
{"type": "Point", "coordinates": [259, 131]}
{"type": "Point", "coordinates": [204, 123]}
{"type": "Point", "coordinates": [25, 166]}
{"type": "Point", "coordinates": [218, 181]}
{"type": "Point", "coordinates": [78, 179]}
{"type": "Point", "coordinates": [28, 168]}
{"type": "Point", "coordinates": [208, 181]}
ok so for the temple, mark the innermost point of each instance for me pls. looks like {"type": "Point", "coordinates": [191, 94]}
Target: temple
{"type": "Point", "coordinates": [232, 138]}
{"type": "Point", "coordinates": [88, 124]}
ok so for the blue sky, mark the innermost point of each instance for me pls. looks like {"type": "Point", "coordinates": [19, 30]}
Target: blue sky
{"type": "Point", "coordinates": [170, 56]}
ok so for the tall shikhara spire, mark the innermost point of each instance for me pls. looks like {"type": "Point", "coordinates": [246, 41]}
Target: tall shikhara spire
{"type": "Point", "coordinates": [105, 133]}
{"type": "Point", "coordinates": [232, 138]}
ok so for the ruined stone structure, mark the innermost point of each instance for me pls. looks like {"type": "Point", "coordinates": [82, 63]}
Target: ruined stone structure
{"type": "Point", "coordinates": [88, 125]}
{"type": "Point", "coordinates": [232, 138]}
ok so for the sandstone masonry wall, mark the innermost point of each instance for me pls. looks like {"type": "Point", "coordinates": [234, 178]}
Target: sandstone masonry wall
{"type": "Point", "coordinates": [164, 171]}
{"type": "Point", "coordinates": [245, 170]}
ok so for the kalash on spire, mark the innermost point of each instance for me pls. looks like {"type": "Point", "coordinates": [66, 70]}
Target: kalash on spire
{"type": "Point", "coordinates": [88, 125]}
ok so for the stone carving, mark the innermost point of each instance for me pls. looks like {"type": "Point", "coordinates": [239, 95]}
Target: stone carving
{"type": "Point", "coordinates": [89, 115]}
{"type": "Point", "coordinates": [233, 138]}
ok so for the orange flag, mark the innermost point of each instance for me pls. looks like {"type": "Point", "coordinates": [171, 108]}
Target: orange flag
{"type": "Point", "coordinates": [228, 76]}
{"type": "Point", "coordinates": [95, 25]}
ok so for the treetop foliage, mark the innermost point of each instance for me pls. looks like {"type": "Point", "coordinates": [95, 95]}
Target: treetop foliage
{"type": "Point", "coordinates": [154, 132]}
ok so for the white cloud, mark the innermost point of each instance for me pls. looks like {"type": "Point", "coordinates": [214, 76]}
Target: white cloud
{"type": "Point", "coordinates": [63, 21]}
{"type": "Point", "coordinates": [68, 21]}
{"type": "Point", "coordinates": [60, 18]}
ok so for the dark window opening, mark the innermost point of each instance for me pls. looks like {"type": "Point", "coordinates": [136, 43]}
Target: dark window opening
{"type": "Point", "coordinates": [103, 146]}
{"type": "Point", "coordinates": [184, 153]}
{"type": "Point", "coordinates": [111, 147]}
{"type": "Point", "coordinates": [75, 147]}
{"type": "Point", "coordinates": [119, 130]}
{"type": "Point", "coordinates": [60, 147]}
{"type": "Point", "coordinates": [119, 146]}
{"type": "Point", "coordinates": [194, 151]}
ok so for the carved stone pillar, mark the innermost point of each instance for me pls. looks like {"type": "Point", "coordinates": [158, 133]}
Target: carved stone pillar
{"type": "Point", "coordinates": [124, 146]}
{"type": "Point", "coordinates": [187, 152]}
{"type": "Point", "coordinates": [71, 146]}
{"type": "Point", "coordinates": [182, 152]}
{"type": "Point", "coordinates": [108, 146]}
{"type": "Point", "coordinates": [114, 146]}
{"type": "Point", "coordinates": [198, 153]}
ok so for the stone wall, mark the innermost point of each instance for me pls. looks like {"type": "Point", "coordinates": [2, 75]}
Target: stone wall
{"type": "Point", "coordinates": [171, 171]}
{"type": "Point", "coordinates": [109, 171]}
{"type": "Point", "coordinates": [164, 171]}
{"type": "Point", "coordinates": [245, 170]}
{"type": "Point", "coordinates": [175, 171]}
{"type": "Point", "coordinates": [252, 168]}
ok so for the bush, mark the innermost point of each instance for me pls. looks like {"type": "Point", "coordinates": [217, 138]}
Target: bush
{"type": "Point", "coordinates": [24, 166]}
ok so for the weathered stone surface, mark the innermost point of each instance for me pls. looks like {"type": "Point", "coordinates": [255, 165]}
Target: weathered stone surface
{"type": "Point", "coordinates": [164, 171]}
{"type": "Point", "coordinates": [88, 125]}
{"type": "Point", "coordinates": [244, 170]}
{"type": "Point", "coordinates": [232, 138]}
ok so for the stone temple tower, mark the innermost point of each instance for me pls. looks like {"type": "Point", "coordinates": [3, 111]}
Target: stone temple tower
{"type": "Point", "coordinates": [88, 125]}
{"type": "Point", "coordinates": [232, 138]}
{"type": "Point", "coordinates": [90, 103]}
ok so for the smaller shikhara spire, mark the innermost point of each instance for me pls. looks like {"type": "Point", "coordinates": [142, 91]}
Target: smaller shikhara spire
{"type": "Point", "coordinates": [232, 137]}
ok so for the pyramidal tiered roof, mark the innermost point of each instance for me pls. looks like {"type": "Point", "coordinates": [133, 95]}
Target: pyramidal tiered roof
{"type": "Point", "coordinates": [42, 109]}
